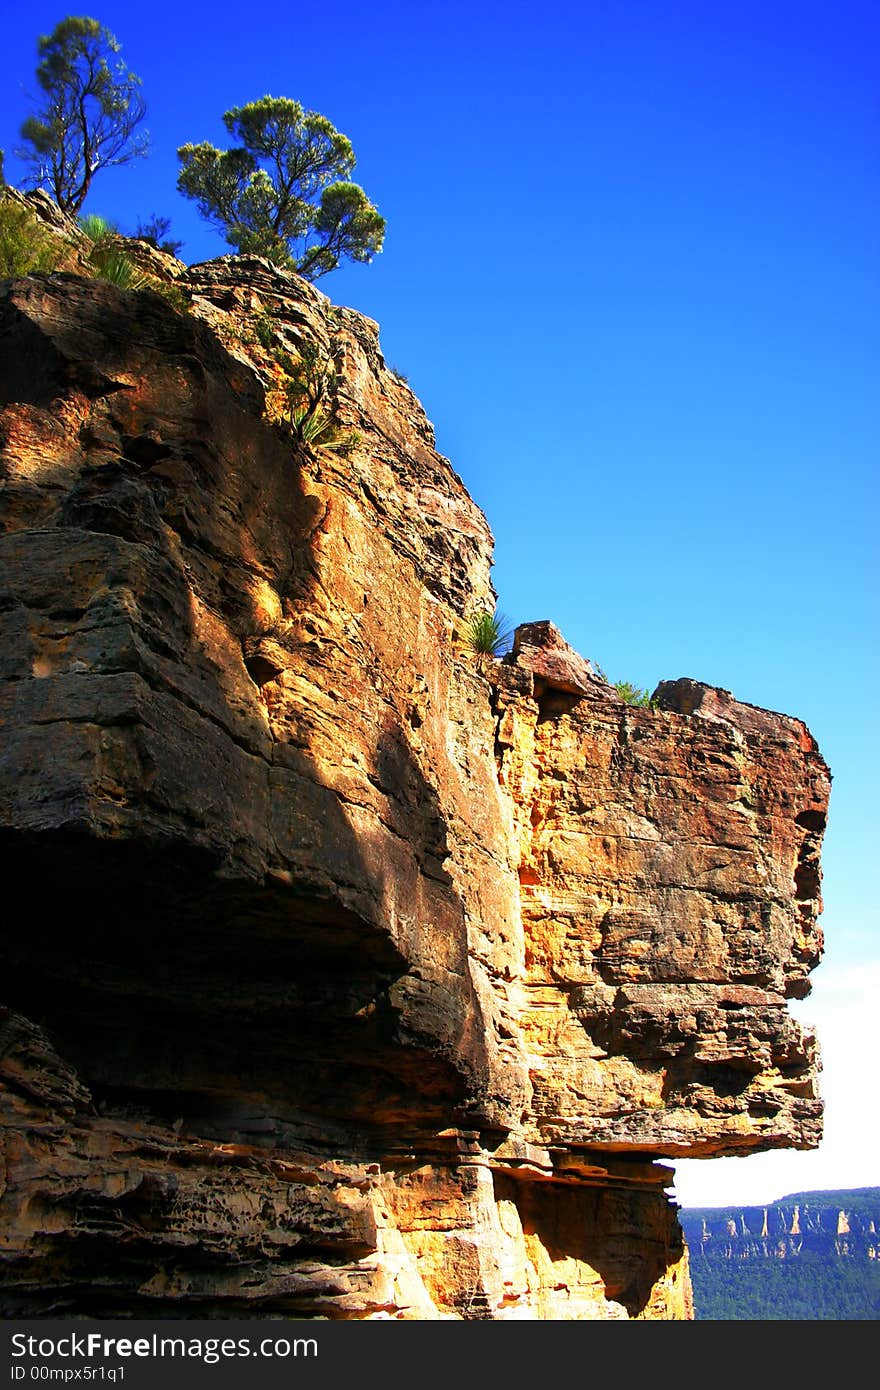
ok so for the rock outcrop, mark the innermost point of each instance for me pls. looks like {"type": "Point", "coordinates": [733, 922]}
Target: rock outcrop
{"type": "Point", "coordinates": [346, 976]}
{"type": "Point", "coordinates": [668, 859]}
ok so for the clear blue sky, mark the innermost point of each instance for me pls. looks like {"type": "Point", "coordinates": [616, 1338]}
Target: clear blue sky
{"type": "Point", "coordinates": [632, 271]}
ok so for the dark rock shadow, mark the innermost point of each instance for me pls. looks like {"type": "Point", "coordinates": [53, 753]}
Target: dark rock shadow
{"type": "Point", "coordinates": [202, 975]}
{"type": "Point", "coordinates": [630, 1237]}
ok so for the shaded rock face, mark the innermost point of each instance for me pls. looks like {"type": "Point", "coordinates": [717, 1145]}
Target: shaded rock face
{"type": "Point", "coordinates": [355, 980]}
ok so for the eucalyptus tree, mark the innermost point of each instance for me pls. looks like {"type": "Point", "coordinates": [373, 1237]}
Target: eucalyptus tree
{"type": "Point", "coordinates": [283, 190]}
{"type": "Point", "coordinates": [89, 115]}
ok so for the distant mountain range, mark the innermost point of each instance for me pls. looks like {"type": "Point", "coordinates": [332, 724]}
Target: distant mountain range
{"type": "Point", "coordinates": [811, 1255]}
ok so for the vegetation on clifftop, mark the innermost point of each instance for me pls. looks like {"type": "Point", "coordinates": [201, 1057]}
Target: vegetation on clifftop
{"type": "Point", "coordinates": [487, 633]}
{"type": "Point", "coordinates": [283, 190]}
{"type": "Point", "coordinates": [634, 695]}
{"type": "Point", "coordinates": [89, 115]}
{"type": "Point", "coordinates": [24, 244]}
{"type": "Point", "coordinates": [629, 693]}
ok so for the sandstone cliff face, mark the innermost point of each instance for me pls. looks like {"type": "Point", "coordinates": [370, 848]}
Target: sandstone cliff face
{"type": "Point", "coordinates": [349, 978]}
{"type": "Point", "coordinates": [809, 1256]}
{"type": "Point", "coordinates": [790, 1228]}
{"type": "Point", "coordinates": [669, 869]}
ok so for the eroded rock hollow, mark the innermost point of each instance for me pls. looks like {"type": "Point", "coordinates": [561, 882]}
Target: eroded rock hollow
{"type": "Point", "coordinates": [346, 975]}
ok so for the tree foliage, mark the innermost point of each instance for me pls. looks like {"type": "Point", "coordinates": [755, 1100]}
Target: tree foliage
{"type": "Point", "coordinates": [810, 1287]}
{"type": "Point", "coordinates": [634, 695]}
{"type": "Point", "coordinates": [284, 189]}
{"type": "Point", "coordinates": [157, 231]}
{"type": "Point", "coordinates": [89, 115]}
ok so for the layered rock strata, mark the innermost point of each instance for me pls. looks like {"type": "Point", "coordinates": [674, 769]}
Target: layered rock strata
{"type": "Point", "coordinates": [669, 868]}
{"type": "Point", "coordinates": [807, 1224]}
{"type": "Point", "coordinates": [811, 1256]}
{"type": "Point", "coordinates": [356, 978]}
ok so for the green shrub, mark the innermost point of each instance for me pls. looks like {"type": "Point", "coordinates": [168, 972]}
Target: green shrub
{"type": "Point", "coordinates": [264, 329]}
{"type": "Point", "coordinates": [24, 245]}
{"type": "Point", "coordinates": [175, 294]}
{"type": "Point", "coordinates": [629, 693]}
{"type": "Point", "coordinates": [633, 695]}
{"type": "Point", "coordinates": [156, 232]}
{"type": "Point", "coordinates": [107, 260]}
{"type": "Point", "coordinates": [110, 263]}
{"type": "Point", "coordinates": [308, 395]}
{"type": "Point", "coordinates": [97, 229]}
{"type": "Point", "coordinates": [321, 432]}
{"type": "Point", "coordinates": [487, 634]}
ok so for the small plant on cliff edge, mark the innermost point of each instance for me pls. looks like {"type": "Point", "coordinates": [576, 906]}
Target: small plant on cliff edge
{"type": "Point", "coordinates": [156, 232]}
{"type": "Point", "coordinates": [264, 331]}
{"type": "Point", "coordinates": [629, 693]}
{"type": "Point", "coordinates": [634, 695]}
{"type": "Point", "coordinates": [307, 391]}
{"type": "Point", "coordinates": [113, 265]}
{"type": "Point", "coordinates": [24, 245]}
{"type": "Point", "coordinates": [487, 633]}
{"type": "Point", "coordinates": [98, 230]}
{"type": "Point", "coordinates": [107, 260]}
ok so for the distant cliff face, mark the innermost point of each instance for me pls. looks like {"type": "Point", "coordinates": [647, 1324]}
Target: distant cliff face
{"type": "Point", "coordinates": [814, 1254]}
{"type": "Point", "coordinates": [360, 979]}
{"type": "Point", "coordinates": [793, 1226]}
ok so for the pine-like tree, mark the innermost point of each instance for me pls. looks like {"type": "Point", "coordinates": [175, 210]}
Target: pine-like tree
{"type": "Point", "coordinates": [90, 113]}
{"type": "Point", "coordinates": [283, 191]}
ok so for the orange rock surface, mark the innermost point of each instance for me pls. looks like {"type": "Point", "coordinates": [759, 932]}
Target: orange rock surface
{"type": "Point", "coordinates": [359, 979]}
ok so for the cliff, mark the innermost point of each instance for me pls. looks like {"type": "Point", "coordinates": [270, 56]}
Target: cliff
{"type": "Point", "coordinates": [348, 976]}
{"type": "Point", "coordinates": [809, 1255]}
